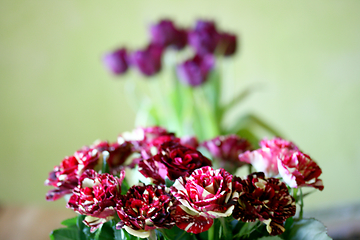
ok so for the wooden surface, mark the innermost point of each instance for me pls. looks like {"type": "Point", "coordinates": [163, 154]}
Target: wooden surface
{"type": "Point", "coordinates": [31, 222]}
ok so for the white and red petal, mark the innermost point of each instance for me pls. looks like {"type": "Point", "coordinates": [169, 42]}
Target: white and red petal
{"type": "Point", "coordinates": [299, 170]}
{"type": "Point", "coordinates": [192, 223]}
{"type": "Point", "coordinates": [204, 195]}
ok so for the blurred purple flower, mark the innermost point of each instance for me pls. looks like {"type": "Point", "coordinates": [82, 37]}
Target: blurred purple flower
{"type": "Point", "coordinates": [194, 71]}
{"type": "Point", "coordinates": [117, 61]}
{"type": "Point", "coordinates": [204, 38]}
{"type": "Point", "coordinates": [148, 61]}
{"type": "Point", "coordinates": [166, 34]}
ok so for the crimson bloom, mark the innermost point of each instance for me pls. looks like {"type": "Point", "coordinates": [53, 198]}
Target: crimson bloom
{"type": "Point", "coordinates": [144, 208]}
{"type": "Point", "coordinates": [204, 195]}
{"type": "Point", "coordinates": [147, 140]}
{"type": "Point", "coordinates": [299, 170]}
{"type": "Point", "coordinates": [96, 196]}
{"type": "Point", "coordinates": [194, 71]}
{"type": "Point", "coordinates": [172, 161]}
{"type": "Point", "coordinates": [117, 62]}
{"type": "Point", "coordinates": [264, 199]}
{"type": "Point", "coordinates": [65, 176]}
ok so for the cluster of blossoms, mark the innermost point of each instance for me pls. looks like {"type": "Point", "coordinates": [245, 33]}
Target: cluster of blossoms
{"type": "Point", "coordinates": [204, 38]}
{"type": "Point", "coordinates": [197, 194]}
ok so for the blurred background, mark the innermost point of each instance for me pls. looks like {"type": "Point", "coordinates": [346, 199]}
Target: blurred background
{"type": "Point", "coordinates": [56, 96]}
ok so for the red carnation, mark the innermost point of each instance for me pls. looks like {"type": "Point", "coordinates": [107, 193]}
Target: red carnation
{"type": "Point", "coordinates": [265, 159]}
{"type": "Point", "coordinates": [172, 161]}
{"type": "Point", "coordinates": [299, 170]}
{"type": "Point", "coordinates": [204, 195]}
{"type": "Point", "coordinates": [145, 208]}
{"type": "Point", "coordinates": [65, 176]}
{"type": "Point", "coordinates": [264, 199]}
{"type": "Point", "coordinates": [226, 150]}
{"type": "Point", "coordinates": [96, 196]}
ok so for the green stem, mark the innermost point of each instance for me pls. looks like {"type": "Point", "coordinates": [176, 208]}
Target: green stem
{"type": "Point", "coordinates": [105, 166]}
{"type": "Point", "coordinates": [301, 205]}
{"type": "Point", "coordinates": [250, 169]}
{"type": "Point", "coordinates": [211, 232]}
{"type": "Point", "coordinates": [294, 194]}
{"type": "Point", "coordinates": [152, 235]}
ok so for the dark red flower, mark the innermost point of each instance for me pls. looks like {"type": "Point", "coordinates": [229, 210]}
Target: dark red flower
{"type": "Point", "coordinates": [147, 140]}
{"type": "Point", "coordinates": [228, 44]}
{"type": "Point", "coordinates": [96, 196]}
{"type": "Point", "coordinates": [226, 150]}
{"type": "Point", "coordinates": [117, 62]}
{"type": "Point", "coordinates": [189, 141]}
{"type": "Point", "coordinates": [145, 208]}
{"type": "Point", "coordinates": [65, 176]}
{"type": "Point", "coordinates": [299, 170]}
{"type": "Point", "coordinates": [172, 161]}
{"type": "Point", "coordinates": [204, 195]}
{"type": "Point", "coordinates": [264, 199]}
{"type": "Point", "coordinates": [194, 71]}
{"type": "Point", "coordinates": [166, 34]}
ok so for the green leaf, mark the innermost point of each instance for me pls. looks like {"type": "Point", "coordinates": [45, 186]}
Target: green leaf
{"type": "Point", "coordinates": [71, 222]}
{"type": "Point", "coordinates": [306, 229]}
{"type": "Point", "coordinates": [168, 182]}
{"type": "Point", "coordinates": [175, 233]}
{"type": "Point", "coordinates": [124, 187]}
{"type": "Point", "coordinates": [226, 228]}
{"type": "Point", "coordinates": [65, 234]}
{"type": "Point", "coordinates": [119, 235]}
{"type": "Point", "coordinates": [248, 135]}
{"type": "Point", "coordinates": [237, 99]}
{"type": "Point", "coordinates": [270, 238]}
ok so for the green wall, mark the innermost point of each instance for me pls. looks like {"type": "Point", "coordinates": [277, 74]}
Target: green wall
{"type": "Point", "coordinates": [55, 95]}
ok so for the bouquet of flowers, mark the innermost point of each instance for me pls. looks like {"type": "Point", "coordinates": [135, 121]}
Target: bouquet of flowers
{"type": "Point", "coordinates": [179, 178]}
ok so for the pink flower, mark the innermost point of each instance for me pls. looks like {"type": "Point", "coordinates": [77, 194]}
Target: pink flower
{"type": "Point", "coordinates": [264, 199]}
{"type": "Point", "coordinates": [299, 170]}
{"type": "Point", "coordinates": [226, 150]}
{"type": "Point", "coordinates": [96, 196]}
{"type": "Point", "coordinates": [145, 208]}
{"type": "Point", "coordinates": [204, 195]}
{"type": "Point", "coordinates": [172, 161]}
{"type": "Point", "coordinates": [265, 159]}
